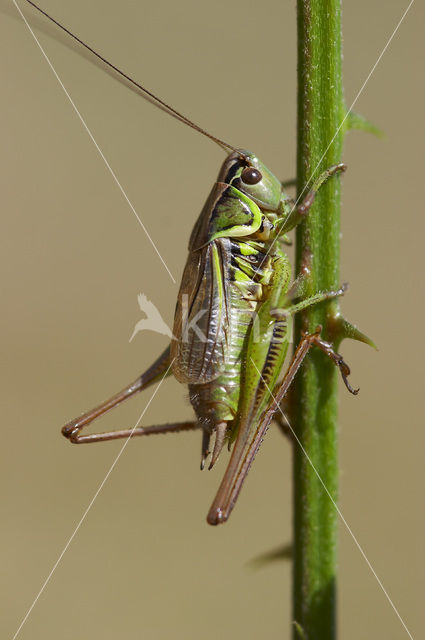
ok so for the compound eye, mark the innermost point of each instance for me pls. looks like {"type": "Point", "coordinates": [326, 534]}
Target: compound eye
{"type": "Point", "coordinates": [251, 176]}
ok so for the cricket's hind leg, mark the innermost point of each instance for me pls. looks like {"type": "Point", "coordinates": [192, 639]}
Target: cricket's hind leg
{"type": "Point", "coordinates": [307, 341]}
{"type": "Point", "coordinates": [173, 427]}
{"type": "Point", "coordinates": [159, 370]}
{"type": "Point", "coordinates": [242, 456]}
{"type": "Point", "coordinates": [283, 415]}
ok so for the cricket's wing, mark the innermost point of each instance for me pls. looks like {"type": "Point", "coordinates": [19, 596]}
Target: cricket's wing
{"type": "Point", "coordinates": [202, 331]}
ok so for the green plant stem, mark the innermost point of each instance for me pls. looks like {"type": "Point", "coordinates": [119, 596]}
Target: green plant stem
{"type": "Point", "coordinates": [320, 112]}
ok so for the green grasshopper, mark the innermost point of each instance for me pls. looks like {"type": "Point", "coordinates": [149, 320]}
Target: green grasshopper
{"type": "Point", "coordinates": [233, 316]}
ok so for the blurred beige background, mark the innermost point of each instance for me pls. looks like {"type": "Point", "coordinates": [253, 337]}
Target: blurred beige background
{"type": "Point", "coordinates": [144, 563]}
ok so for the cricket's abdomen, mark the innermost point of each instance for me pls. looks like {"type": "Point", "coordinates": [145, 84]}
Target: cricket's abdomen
{"type": "Point", "coordinates": [249, 274]}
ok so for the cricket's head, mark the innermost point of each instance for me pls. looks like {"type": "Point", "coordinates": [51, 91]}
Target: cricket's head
{"type": "Point", "coordinates": [243, 170]}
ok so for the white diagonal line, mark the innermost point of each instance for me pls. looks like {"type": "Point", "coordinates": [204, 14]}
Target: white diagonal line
{"type": "Point", "coordinates": [83, 517]}
{"type": "Point", "coordinates": [345, 117]}
{"type": "Point", "coordinates": [111, 171]}
{"type": "Point", "coordinates": [338, 510]}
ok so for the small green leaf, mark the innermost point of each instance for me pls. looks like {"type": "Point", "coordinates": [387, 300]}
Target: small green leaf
{"type": "Point", "coordinates": [341, 329]}
{"type": "Point", "coordinates": [299, 630]}
{"type": "Point", "coordinates": [356, 121]}
{"type": "Point", "coordinates": [264, 559]}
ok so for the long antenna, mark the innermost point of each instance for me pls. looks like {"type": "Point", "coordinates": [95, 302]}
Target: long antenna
{"type": "Point", "coordinates": [173, 112]}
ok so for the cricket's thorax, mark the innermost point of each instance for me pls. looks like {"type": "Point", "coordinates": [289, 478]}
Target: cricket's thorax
{"type": "Point", "coordinates": [250, 270]}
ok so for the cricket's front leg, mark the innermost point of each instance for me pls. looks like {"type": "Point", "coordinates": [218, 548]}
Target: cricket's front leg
{"type": "Point", "coordinates": [158, 370]}
{"type": "Point", "coordinates": [299, 211]}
